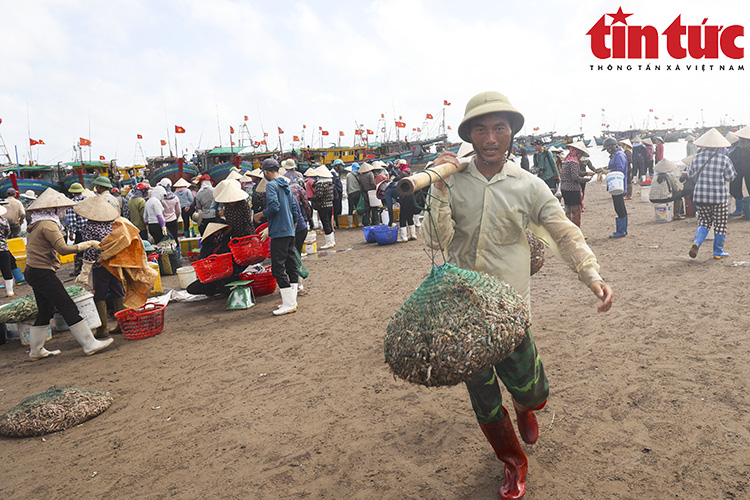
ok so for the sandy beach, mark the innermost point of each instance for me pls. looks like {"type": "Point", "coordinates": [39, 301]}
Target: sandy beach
{"type": "Point", "coordinates": [647, 401]}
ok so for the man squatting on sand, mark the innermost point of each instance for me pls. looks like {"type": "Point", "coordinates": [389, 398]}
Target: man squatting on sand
{"type": "Point", "coordinates": [481, 220]}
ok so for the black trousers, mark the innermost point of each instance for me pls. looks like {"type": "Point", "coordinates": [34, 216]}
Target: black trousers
{"type": "Point", "coordinates": [6, 264]}
{"type": "Point", "coordinates": [336, 210]}
{"type": "Point", "coordinates": [619, 203]}
{"type": "Point", "coordinates": [155, 232]}
{"type": "Point", "coordinates": [172, 228]}
{"type": "Point", "coordinates": [407, 211]}
{"type": "Point", "coordinates": [50, 294]}
{"type": "Point", "coordinates": [353, 201]}
{"type": "Point", "coordinates": [735, 187]}
{"type": "Point", "coordinates": [299, 240]}
{"type": "Point", "coordinates": [105, 284]}
{"type": "Point", "coordinates": [325, 219]}
{"type": "Point", "coordinates": [283, 261]}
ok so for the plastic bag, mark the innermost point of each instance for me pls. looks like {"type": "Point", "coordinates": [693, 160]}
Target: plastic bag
{"type": "Point", "coordinates": [301, 267]}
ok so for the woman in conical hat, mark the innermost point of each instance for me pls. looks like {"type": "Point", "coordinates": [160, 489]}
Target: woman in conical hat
{"type": "Point", "coordinates": [710, 170]}
{"type": "Point", "coordinates": [6, 258]}
{"type": "Point", "coordinates": [237, 211]}
{"type": "Point", "coordinates": [740, 156]}
{"type": "Point", "coordinates": [99, 215]}
{"type": "Point", "coordinates": [44, 241]}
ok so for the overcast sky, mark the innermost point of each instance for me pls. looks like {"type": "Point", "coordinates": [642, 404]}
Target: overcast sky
{"type": "Point", "coordinates": [107, 71]}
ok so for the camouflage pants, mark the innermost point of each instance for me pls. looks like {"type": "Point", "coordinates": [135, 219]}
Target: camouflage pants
{"type": "Point", "coordinates": [522, 374]}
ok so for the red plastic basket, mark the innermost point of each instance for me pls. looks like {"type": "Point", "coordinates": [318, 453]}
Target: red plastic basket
{"type": "Point", "coordinates": [261, 283]}
{"type": "Point", "coordinates": [250, 250]}
{"type": "Point", "coordinates": [193, 255]}
{"type": "Point", "coordinates": [143, 322]}
{"type": "Point", "coordinates": [213, 267]}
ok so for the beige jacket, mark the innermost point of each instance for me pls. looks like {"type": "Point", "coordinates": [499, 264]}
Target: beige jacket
{"type": "Point", "coordinates": [44, 242]}
{"type": "Point", "coordinates": [481, 223]}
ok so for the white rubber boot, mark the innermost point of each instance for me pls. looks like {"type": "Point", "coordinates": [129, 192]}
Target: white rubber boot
{"type": "Point", "coordinates": [412, 232]}
{"type": "Point", "coordinates": [9, 288]}
{"type": "Point", "coordinates": [82, 333]}
{"type": "Point", "coordinates": [330, 243]}
{"type": "Point", "coordinates": [295, 287]}
{"type": "Point", "coordinates": [37, 336]}
{"type": "Point", "coordinates": [300, 289]}
{"type": "Point", "coordinates": [288, 301]}
{"type": "Point", "coordinates": [333, 239]}
{"type": "Point", "coordinates": [402, 237]}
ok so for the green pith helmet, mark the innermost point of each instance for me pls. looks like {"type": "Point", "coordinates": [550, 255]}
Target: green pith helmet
{"type": "Point", "coordinates": [75, 188]}
{"type": "Point", "coordinates": [103, 181]}
{"type": "Point", "coordinates": [485, 103]}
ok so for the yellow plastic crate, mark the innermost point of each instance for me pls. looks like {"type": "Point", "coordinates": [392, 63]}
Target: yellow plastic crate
{"type": "Point", "coordinates": [17, 247]}
{"type": "Point", "coordinates": [65, 259]}
{"type": "Point", "coordinates": [21, 262]}
{"type": "Point", "coordinates": [344, 221]}
{"type": "Point", "coordinates": [157, 289]}
{"type": "Point", "coordinates": [188, 244]}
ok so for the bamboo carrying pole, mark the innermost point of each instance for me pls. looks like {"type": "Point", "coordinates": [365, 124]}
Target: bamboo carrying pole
{"type": "Point", "coordinates": [424, 178]}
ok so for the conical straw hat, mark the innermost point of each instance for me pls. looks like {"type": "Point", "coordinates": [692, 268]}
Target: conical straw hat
{"type": "Point", "coordinates": [732, 137]}
{"type": "Point", "coordinates": [211, 228]}
{"type": "Point", "coordinates": [648, 141]}
{"type": "Point", "coordinates": [50, 199]}
{"type": "Point", "coordinates": [580, 146]}
{"type": "Point", "coordinates": [688, 159]}
{"type": "Point", "coordinates": [627, 143]}
{"type": "Point", "coordinates": [712, 139]}
{"type": "Point", "coordinates": [744, 132]}
{"type": "Point", "coordinates": [366, 167]}
{"type": "Point", "coordinates": [665, 166]}
{"type": "Point", "coordinates": [3, 210]}
{"type": "Point", "coordinates": [228, 191]}
{"type": "Point", "coordinates": [261, 187]}
{"type": "Point", "coordinates": [257, 173]}
{"type": "Point", "coordinates": [182, 183]}
{"type": "Point", "coordinates": [322, 171]}
{"type": "Point", "coordinates": [96, 208]}
{"type": "Point", "coordinates": [233, 176]}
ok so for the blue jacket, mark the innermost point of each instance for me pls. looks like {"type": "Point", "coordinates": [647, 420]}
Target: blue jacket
{"type": "Point", "coordinates": [301, 224]}
{"type": "Point", "coordinates": [280, 209]}
{"type": "Point", "coordinates": [619, 163]}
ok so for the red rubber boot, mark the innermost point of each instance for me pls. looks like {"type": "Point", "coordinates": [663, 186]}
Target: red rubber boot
{"type": "Point", "coordinates": [527, 425]}
{"type": "Point", "coordinates": [503, 439]}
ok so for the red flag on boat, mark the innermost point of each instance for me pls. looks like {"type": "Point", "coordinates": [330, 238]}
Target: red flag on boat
{"type": "Point", "coordinates": [280, 131]}
{"type": "Point", "coordinates": [602, 109]}
{"type": "Point", "coordinates": [234, 143]}
{"type": "Point", "coordinates": [400, 125]}
{"type": "Point", "coordinates": [245, 117]}
{"type": "Point", "coordinates": [419, 129]}
{"type": "Point", "coordinates": [382, 115]}
{"type": "Point", "coordinates": [178, 130]}
{"type": "Point", "coordinates": [163, 142]}
{"type": "Point", "coordinates": [41, 142]}
{"type": "Point", "coordinates": [446, 103]}
{"type": "Point", "coordinates": [449, 127]}
{"type": "Point", "coordinates": [324, 132]}
{"type": "Point", "coordinates": [139, 136]}
{"type": "Point", "coordinates": [256, 144]}
{"type": "Point", "coordinates": [650, 110]}
{"type": "Point", "coordinates": [400, 117]}
{"type": "Point", "coordinates": [429, 116]}
{"type": "Point", "coordinates": [341, 133]}
{"type": "Point", "coordinates": [33, 142]}
{"type": "Point", "coordinates": [583, 116]}
{"type": "Point", "coordinates": [101, 158]}
{"type": "Point", "coordinates": [263, 142]}
{"type": "Point", "coordinates": [295, 138]}
{"type": "Point", "coordinates": [84, 142]}
{"type": "Point", "coordinates": [304, 126]}
{"type": "Point", "coordinates": [231, 129]}
{"type": "Point", "coordinates": [320, 128]}
{"type": "Point", "coordinates": [370, 132]}
{"type": "Point", "coordinates": [656, 117]}
{"type": "Point", "coordinates": [265, 134]}
{"type": "Point", "coordinates": [1, 120]}
{"type": "Point", "coordinates": [357, 132]}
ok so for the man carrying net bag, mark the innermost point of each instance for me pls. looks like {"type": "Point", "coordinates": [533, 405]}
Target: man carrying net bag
{"type": "Point", "coordinates": [478, 217]}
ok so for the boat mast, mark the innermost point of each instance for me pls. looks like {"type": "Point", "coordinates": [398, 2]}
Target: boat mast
{"type": "Point", "coordinates": [4, 150]}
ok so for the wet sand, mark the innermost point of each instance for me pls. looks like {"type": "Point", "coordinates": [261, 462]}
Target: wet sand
{"type": "Point", "coordinates": [647, 401]}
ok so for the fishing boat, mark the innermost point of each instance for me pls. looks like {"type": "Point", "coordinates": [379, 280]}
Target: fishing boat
{"type": "Point", "coordinates": [36, 178]}
{"type": "Point", "coordinates": [173, 168]}
{"type": "Point", "coordinates": [86, 172]}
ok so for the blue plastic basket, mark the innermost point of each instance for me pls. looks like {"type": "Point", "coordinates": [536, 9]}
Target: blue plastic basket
{"type": "Point", "coordinates": [369, 232]}
{"type": "Point", "coordinates": [385, 235]}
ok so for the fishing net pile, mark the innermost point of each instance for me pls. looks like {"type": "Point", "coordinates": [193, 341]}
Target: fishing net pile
{"type": "Point", "coordinates": [55, 409]}
{"type": "Point", "coordinates": [537, 252]}
{"type": "Point", "coordinates": [455, 325]}
{"type": "Point", "coordinates": [25, 308]}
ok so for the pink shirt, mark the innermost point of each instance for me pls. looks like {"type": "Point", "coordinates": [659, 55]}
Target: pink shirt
{"type": "Point", "coordinates": [171, 209]}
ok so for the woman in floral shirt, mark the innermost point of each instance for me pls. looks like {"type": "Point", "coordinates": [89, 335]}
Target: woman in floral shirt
{"type": "Point", "coordinates": [6, 259]}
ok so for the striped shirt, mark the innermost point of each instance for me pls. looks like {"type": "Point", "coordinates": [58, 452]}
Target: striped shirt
{"type": "Point", "coordinates": [711, 184]}
{"type": "Point", "coordinates": [74, 221]}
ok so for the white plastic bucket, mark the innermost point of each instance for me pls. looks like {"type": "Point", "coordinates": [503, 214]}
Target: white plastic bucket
{"type": "Point", "coordinates": [615, 183]}
{"type": "Point", "coordinates": [311, 243]}
{"type": "Point", "coordinates": [663, 212]}
{"type": "Point", "coordinates": [87, 310]}
{"type": "Point", "coordinates": [186, 275]}
{"type": "Point", "coordinates": [23, 329]}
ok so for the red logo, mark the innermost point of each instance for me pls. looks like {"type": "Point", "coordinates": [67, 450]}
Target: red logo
{"type": "Point", "coordinates": [624, 41]}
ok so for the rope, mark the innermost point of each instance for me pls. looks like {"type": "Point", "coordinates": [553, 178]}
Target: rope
{"type": "Point", "coordinates": [420, 201]}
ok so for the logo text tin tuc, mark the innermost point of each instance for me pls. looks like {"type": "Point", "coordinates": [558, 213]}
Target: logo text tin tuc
{"type": "Point", "coordinates": [623, 41]}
